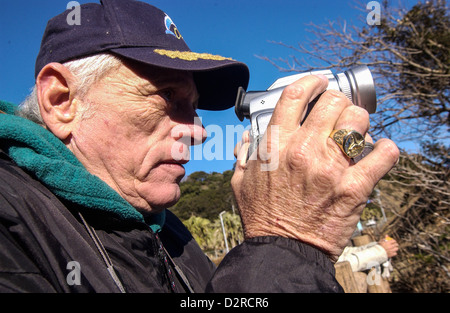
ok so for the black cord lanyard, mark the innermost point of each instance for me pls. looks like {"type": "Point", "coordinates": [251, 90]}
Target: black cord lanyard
{"type": "Point", "coordinates": [164, 255]}
{"type": "Point", "coordinates": [166, 259]}
{"type": "Point", "coordinates": [103, 253]}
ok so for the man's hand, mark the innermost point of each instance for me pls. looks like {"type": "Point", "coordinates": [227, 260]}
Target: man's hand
{"type": "Point", "coordinates": [390, 245]}
{"type": "Point", "coordinates": [300, 185]}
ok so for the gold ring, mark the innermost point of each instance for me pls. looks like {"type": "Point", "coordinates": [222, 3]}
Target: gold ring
{"type": "Point", "coordinates": [351, 142]}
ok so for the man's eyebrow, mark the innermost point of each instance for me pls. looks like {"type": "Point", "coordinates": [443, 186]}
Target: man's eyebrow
{"type": "Point", "coordinates": [155, 85]}
{"type": "Point", "coordinates": [161, 81]}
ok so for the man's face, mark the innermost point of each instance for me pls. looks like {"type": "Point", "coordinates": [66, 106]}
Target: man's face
{"type": "Point", "coordinates": [131, 136]}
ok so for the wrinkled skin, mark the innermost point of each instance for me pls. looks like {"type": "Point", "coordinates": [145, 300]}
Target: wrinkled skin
{"type": "Point", "coordinates": [138, 116]}
{"type": "Point", "coordinates": [315, 194]}
{"type": "Point", "coordinates": [132, 129]}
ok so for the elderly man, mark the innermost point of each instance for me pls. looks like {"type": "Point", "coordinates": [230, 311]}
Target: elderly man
{"type": "Point", "coordinates": [88, 168]}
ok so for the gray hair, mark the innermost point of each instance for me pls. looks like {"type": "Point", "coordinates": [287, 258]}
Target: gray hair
{"type": "Point", "coordinates": [87, 70]}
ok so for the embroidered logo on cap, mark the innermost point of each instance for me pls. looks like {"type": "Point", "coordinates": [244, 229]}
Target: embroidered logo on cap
{"type": "Point", "coordinates": [190, 56]}
{"type": "Point", "coordinates": [171, 28]}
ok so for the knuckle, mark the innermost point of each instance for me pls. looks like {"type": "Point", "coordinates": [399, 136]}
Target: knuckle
{"type": "Point", "coordinates": [335, 97]}
{"type": "Point", "coordinates": [358, 113]}
{"type": "Point", "coordinates": [352, 190]}
{"type": "Point", "coordinates": [294, 91]}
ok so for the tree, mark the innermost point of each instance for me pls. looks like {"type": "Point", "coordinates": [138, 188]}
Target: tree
{"type": "Point", "coordinates": [417, 194]}
{"type": "Point", "coordinates": [233, 228]}
{"type": "Point", "coordinates": [204, 195]}
{"type": "Point", "coordinates": [201, 230]}
{"type": "Point", "coordinates": [409, 56]}
{"type": "Point", "coordinates": [209, 235]}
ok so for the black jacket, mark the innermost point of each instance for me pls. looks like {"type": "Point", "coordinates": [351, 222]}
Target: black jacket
{"type": "Point", "coordinates": [62, 230]}
{"type": "Point", "coordinates": [40, 236]}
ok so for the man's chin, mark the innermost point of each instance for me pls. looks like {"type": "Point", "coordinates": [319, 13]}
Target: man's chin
{"type": "Point", "coordinates": [159, 199]}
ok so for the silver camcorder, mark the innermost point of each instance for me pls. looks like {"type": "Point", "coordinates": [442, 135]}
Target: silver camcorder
{"type": "Point", "coordinates": [356, 83]}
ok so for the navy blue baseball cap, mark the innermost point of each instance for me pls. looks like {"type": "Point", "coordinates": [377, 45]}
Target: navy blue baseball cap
{"type": "Point", "coordinates": [140, 32]}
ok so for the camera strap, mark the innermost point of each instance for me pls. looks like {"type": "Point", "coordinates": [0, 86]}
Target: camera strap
{"type": "Point", "coordinates": [103, 253]}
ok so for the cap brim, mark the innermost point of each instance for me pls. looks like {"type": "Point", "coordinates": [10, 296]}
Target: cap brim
{"type": "Point", "coordinates": [217, 78]}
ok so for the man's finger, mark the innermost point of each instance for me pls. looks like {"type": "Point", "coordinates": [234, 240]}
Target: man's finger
{"type": "Point", "coordinates": [354, 118]}
{"type": "Point", "coordinates": [291, 106]}
{"type": "Point", "coordinates": [242, 156]}
{"type": "Point", "coordinates": [245, 139]}
{"type": "Point", "coordinates": [378, 163]}
{"type": "Point", "coordinates": [326, 112]}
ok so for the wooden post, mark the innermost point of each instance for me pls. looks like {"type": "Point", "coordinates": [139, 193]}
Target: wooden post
{"type": "Point", "coordinates": [361, 240]}
{"type": "Point", "coordinates": [361, 281]}
{"type": "Point", "coordinates": [374, 282]}
{"type": "Point", "coordinates": [345, 277]}
{"type": "Point", "coordinates": [377, 283]}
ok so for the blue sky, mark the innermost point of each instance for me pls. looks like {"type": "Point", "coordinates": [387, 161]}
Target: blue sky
{"type": "Point", "coordinates": [240, 29]}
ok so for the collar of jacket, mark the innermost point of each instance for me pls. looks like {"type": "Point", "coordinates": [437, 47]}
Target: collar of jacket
{"type": "Point", "coordinates": [36, 150]}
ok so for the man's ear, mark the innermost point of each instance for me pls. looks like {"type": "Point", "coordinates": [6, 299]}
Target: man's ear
{"type": "Point", "coordinates": [58, 106]}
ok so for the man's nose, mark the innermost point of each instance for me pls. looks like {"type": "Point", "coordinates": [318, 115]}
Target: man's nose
{"type": "Point", "coordinates": [198, 132]}
{"type": "Point", "coordinates": [192, 133]}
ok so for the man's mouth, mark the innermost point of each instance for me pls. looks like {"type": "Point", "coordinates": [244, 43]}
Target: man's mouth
{"type": "Point", "coordinates": [175, 162]}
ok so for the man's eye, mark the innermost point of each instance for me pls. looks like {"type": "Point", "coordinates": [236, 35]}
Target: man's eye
{"type": "Point", "coordinates": [168, 95]}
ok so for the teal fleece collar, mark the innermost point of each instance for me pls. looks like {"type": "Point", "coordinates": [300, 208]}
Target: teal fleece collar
{"type": "Point", "coordinates": [38, 151]}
